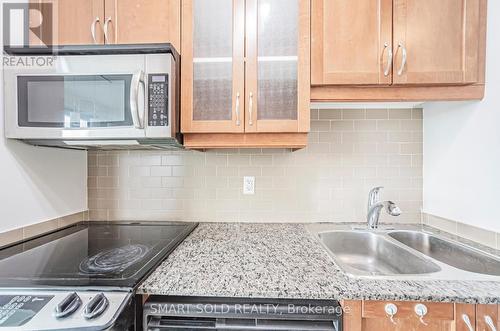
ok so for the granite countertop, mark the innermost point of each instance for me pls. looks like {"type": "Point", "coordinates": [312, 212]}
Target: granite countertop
{"type": "Point", "coordinates": [286, 261]}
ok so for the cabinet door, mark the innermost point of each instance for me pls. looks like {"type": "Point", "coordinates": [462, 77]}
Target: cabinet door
{"type": "Point", "coordinates": [372, 316]}
{"type": "Point", "coordinates": [143, 21]}
{"type": "Point", "coordinates": [212, 73]}
{"type": "Point", "coordinates": [74, 22]}
{"type": "Point", "coordinates": [351, 42]}
{"type": "Point", "coordinates": [487, 317]}
{"type": "Point", "coordinates": [436, 42]}
{"type": "Point", "coordinates": [465, 317]}
{"type": "Point", "coordinates": [277, 76]}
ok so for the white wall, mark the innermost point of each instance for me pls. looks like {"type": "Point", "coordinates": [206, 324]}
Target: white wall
{"type": "Point", "coordinates": [462, 149]}
{"type": "Point", "coordinates": [38, 184]}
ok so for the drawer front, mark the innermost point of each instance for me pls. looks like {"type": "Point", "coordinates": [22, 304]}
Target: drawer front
{"type": "Point", "coordinates": [435, 311]}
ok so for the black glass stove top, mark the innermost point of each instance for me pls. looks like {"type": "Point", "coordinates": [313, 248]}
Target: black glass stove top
{"type": "Point", "coordinates": [91, 254]}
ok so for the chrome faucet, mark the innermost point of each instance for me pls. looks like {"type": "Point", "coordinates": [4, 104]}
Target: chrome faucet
{"type": "Point", "coordinates": [375, 207]}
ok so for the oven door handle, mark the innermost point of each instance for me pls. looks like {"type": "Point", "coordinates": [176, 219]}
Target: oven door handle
{"type": "Point", "coordinates": [137, 115]}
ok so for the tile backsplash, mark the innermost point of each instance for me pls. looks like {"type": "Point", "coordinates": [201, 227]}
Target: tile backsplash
{"type": "Point", "coordinates": [349, 152]}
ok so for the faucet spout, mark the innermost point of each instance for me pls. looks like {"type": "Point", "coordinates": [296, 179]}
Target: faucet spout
{"type": "Point", "coordinates": [374, 212]}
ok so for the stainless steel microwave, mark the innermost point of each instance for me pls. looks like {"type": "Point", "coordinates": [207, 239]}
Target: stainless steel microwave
{"type": "Point", "coordinates": [95, 97]}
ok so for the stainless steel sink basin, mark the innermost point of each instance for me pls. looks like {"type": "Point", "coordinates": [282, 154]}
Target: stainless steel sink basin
{"type": "Point", "coordinates": [448, 252]}
{"type": "Point", "coordinates": [366, 253]}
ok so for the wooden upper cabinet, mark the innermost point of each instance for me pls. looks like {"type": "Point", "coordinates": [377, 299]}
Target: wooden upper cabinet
{"type": "Point", "coordinates": [213, 77]}
{"type": "Point", "coordinates": [277, 76]}
{"type": "Point", "coordinates": [351, 42]}
{"type": "Point", "coordinates": [245, 66]}
{"type": "Point", "coordinates": [436, 42]}
{"type": "Point", "coordinates": [430, 43]}
{"type": "Point", "coordinates": [74, 22]}
{"type": "Point", "coordinates": [142, 21]}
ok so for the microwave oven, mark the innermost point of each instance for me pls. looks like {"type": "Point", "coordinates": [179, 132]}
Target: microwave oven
{"type": "Point", "coordinates": [94, 96]}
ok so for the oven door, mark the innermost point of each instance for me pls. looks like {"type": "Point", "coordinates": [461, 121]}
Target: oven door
{"type": "Point", "coordinates": [82, 97]}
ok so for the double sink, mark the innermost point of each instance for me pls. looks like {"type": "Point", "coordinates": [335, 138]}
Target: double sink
{"type": "Point", "coordinates": [408, 254]}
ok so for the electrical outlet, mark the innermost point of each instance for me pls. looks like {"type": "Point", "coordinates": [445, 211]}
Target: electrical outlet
{"type": "Point", "coordinates": [249, 185]}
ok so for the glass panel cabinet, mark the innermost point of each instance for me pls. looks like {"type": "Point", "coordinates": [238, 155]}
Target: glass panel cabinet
{"type": "Point", "coordinates": [213, 65]}
{"type": "Point", "coordinates": [245, 66]}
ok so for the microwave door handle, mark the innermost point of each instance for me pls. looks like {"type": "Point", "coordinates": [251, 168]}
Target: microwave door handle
{"type": "Point", "coordinates": [137, 80]}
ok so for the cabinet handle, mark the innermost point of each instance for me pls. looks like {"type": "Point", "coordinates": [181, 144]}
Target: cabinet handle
{"type": "Point", "coordinates": [391, 310]}
{"type": "Point", "coordinates": [106, 24]}
{"type": "Point", "coordinates": [421, 311]}
{"type": "Point", "coordinates": [92, 28]}
{"type": "Point", "coordinates": [137, 117]}
{"type": "Point", "coordinates": [238, 109]}
{"type": "Point", "coordinates": [467, 322]}
{"type": "Point", "coordinates": [250, 109]}
{"type": "Point", "coordinates": [403, 60]}
{"type": "Point", "coordinates": [490, 323]}
{"type": "Point", "coordinates": [389, 59]}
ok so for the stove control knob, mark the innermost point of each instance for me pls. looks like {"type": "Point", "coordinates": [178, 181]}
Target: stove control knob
{"type": "Point", "coordinates": [96, 306]}
{"type": "Point", "coordinates": [68, 306]}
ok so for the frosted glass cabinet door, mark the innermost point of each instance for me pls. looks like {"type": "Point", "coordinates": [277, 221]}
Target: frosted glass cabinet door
{"type": "Point", "coordinates": [213, 66]}
{"type": "Point", "coordinates": [275, 57]}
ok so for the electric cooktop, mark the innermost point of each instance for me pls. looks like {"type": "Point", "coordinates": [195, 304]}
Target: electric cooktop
{"type": "Point", "coordinates": [117, 254]}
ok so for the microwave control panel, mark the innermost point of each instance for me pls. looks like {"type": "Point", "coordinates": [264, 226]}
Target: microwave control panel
{"type": "Point", "coordinates": [158, 100]}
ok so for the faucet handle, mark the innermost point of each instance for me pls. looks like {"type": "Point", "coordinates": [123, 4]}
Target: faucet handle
{"type": "Point", "coordinates": [373, 196]}
{"type": "Point", "coordinates": [393, 209]}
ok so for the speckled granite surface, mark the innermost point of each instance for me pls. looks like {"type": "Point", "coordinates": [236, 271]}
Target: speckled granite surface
{"type": "Point", "coordinates": [286, 261]}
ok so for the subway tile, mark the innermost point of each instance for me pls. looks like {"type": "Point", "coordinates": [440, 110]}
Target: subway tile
{"type": "Point", "coordinates": [400, 114]}
{"type": "Point", "coordinates": [378, 114]}
{"type": "Point", "coordinates": [161, 171]}
{"type": "Point", "coordinates": [348, 152]}
{"type": "Point", "coordinates": [227, 171]}
{"type": "Point", "coordinates": [388, 125]}
{"type": "Point", "coordinates": [238, 160]}
{"type": "Point", "coordinates": [330, 114]}
{"type": "Point", "coordinates": [250, 171]}
{"type": "Point", "coordinates": [172, 160]}
{"type": "Point", "coordinates": [412, 125]}
{"type": "Point", "coordinates": [353, 114]}
{"type": "Point", "coordinates": [320, 126]}
{"type": "Point", "coordinates": [417, 113]}
{"type": "Point", "coordinates": [365, 125]}
{"type": "Point", "coordinates": [314, 114]}
{"type": "Point", "coordinates": [329, 137]}
{"type": "Point", "coordinates": [139, 171]}
{"type": "Point", "coordinates": [261, 160]}
{"type": "Point", "coordinates": [342, 125]}
{"type": "Point", "coordinates": [411, 148]}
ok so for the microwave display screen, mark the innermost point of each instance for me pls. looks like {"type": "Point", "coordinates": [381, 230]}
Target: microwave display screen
{"type": "Point", "coordinates": [74, 101]}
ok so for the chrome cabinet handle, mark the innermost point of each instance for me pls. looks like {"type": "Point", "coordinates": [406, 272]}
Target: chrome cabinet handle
{"type": "Point", "coordinates": [490, 323]}
{"type": "Point", "coordinates": [467, 322]}
{"type": "Point", "coordinates": [403, 60]}
{"type": "Point", "coordinates": [238, 109]}
{"type": "Point", "coordinates": [92, 28]}
{"type": "Point", "coordinates": [421, 311]}
{"type": "Point", "coordinates": [389, 59]}
{"type": "Point", "coordinates": [137, 119]}
{"type": "Point", "coordinates": [250, 109]}
{"type": "Point", "coordinates": [391, 310]}
{"type": "Point", "coordinates": [106, 24]}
